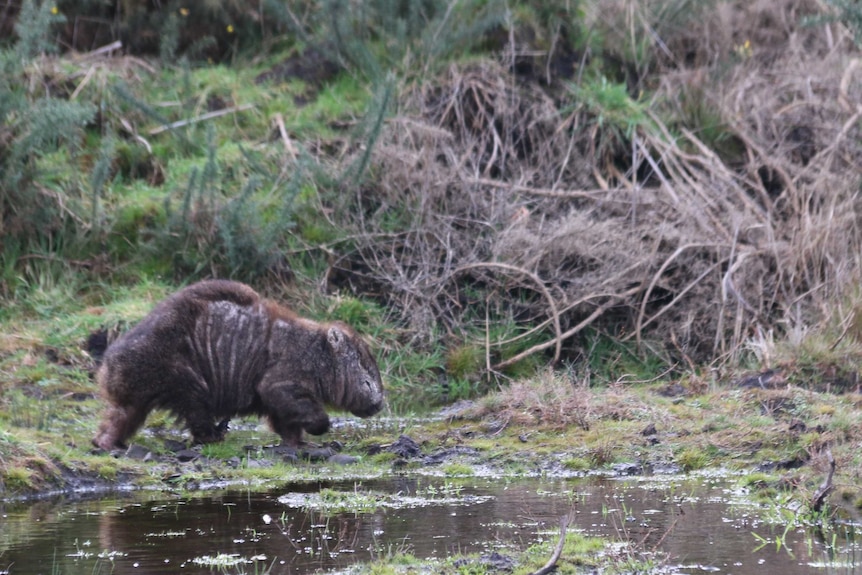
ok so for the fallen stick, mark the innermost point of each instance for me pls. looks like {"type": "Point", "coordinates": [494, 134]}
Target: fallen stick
{"type": "Point", "coordinates": [282, 130]}
{"type": "Point", "coordinates": [552, 562]}
{"type": "Point", "coordinates": [207, 116]}
{"type": "Point", "coordinates": [112, 47]}
{"type": "Point", "coordinates": [826, 487]}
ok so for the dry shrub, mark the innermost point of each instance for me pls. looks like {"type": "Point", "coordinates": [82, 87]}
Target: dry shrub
{"type": "Point", "coordinates": [548, 399]}
{"type": "Point", "coordinates": [495, 204]}
{"type": "Point", "coordinates": [555, 399]}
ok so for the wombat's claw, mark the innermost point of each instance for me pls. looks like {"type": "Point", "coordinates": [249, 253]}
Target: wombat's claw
{"type": "Point", "coordinates": [101, 447]}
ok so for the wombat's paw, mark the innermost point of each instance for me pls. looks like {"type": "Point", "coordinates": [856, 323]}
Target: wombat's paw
{"type": "Point", "coordinates": [222, 427]}
{"type": "Point", "coordinates": [213, 434]}
{"type": "Point", "coordinates": [318, 427]}
{"type": "Point", "coordinates": [103, 443]}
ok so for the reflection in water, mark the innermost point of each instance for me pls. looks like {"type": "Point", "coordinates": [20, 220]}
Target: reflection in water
{"type": "Point", "coordinates": [694, 522]}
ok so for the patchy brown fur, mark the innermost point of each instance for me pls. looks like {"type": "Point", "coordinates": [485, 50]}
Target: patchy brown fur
{"type": "Point", "coordinates": [216, 349]}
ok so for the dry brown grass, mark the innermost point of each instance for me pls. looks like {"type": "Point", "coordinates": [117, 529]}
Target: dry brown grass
{"type": "Point", "coordinates": [549, 399]}
{"type": "Point", "coordinates": [513, 209]}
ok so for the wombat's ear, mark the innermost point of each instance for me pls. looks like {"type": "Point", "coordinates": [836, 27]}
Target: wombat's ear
{"type": "Point", "coordinates": [335, 337]}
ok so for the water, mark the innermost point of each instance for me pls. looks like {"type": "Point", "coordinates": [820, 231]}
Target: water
{"type": "Point", "coordinates": [704, 525]}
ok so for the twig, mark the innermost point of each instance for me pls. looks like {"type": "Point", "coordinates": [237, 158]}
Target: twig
{"type": "Point", "coordinates": [84, 82]}
{"type": "Point", "coordinates": [639, 323]}
{"type": "Point", "coordinates": [288, 145]}
{"type": "Point", "coordinates": [536, 348]}
{"type": "Point", "coordinates": [847, 323]}
{"type": "Point", "coordinates": [558, 339]}
{"type": "Point", "coordinates": [207, 116]}
{"type": "Point", "coordinates": [113, 46]}
{"type": "Point", "coordinates": [591, 194]}
{"type": "Point", "coordinates": [826, 487]}
{"type": "Point", "coordinates": [844, 85]}
{"type": "Point", "coordinates": [622, 379]}
{"type": "Point", "coordinates": [552, 562]}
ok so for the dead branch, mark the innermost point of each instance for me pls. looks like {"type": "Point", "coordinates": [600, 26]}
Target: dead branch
{"type": "Point", "coordinates": [588, 194]}
{"type": "Point", "coordinates": [285, 138]}
{"type": "Point", "coordinates": [107, 49]}
{"type": "Point", "coordinates": [542, 346]}
{"type": "Point", "coordinates": [639, 323]}
{"type": "Point", "coordinates": [558, 550]}
{"type": "Point", "coordinates": [826, 487]}
{"type": "Point", "coordinates": [201, 118]}
{"type": "Point", "coordinates": [555, 315]}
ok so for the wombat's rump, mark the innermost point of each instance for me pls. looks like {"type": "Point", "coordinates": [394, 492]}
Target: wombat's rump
{"type": "Point", "coordinates": [216, 349]}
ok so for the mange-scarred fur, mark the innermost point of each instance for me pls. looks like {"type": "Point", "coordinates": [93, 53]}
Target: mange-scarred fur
{"type": "Point", "coordinates": [217, 349]}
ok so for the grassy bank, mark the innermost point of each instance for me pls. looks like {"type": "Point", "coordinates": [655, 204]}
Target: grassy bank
{"type": "Point", "coordinates": [595, 220]}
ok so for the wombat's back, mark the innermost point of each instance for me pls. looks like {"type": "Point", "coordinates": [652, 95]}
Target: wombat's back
{"type": "Point", "coordinates": [212, 331]}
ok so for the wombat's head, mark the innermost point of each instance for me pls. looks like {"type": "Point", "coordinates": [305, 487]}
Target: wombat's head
{"type": "Point", "coordinates": [357, 372]}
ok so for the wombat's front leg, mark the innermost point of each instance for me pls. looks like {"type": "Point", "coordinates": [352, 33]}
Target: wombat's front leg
{"type": "Point", "coordinates": [290, 410]}
{"type": "Point", "coordinates": [203, 430]}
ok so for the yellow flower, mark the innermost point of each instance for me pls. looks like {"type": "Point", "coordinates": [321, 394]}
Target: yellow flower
{"type": "Point", "coordinates": [230, 28]}
{"type": "Point", "coordinates": [55, 10]}
{"type": "Point", "coordinates": [744, 50]}
{"type": "Point", "coordinates": [184, 11]}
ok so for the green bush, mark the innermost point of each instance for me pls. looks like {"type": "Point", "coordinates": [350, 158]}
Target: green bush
{"type": "Point", "coordinates": [36, 123]}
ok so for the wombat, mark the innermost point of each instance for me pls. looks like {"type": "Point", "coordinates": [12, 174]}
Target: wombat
{"type": "Point", "coordinates": [216, 349]}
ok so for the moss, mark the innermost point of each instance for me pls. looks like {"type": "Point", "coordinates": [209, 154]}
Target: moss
{"type": "Point", "coordinates": [17, 479]}
{"type": "Point", "coordinates": [577, 464]}
{"type": "Point", "coordinates": [457, 470]}
{"type": "Point", "coordinates": [756, 480]}
{"type": "Point", "coordinates": [692, 458]}
{"type": "Point", "coordinates": [107, 470]}
{"type": "Point", "coordinates": [383, 458]}
{"type": "Point", "coordinates": [223, 450]}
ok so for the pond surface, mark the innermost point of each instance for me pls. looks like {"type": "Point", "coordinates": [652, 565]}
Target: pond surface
{"type": "Point", "coordinates": [703, 524]}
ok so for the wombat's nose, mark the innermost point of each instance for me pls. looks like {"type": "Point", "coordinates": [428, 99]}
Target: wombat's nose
{"type": "Point", "coordinates": [368, 412]}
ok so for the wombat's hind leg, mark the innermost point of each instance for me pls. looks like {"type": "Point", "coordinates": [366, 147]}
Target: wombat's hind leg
{"type": "Point", "coordinates": [118, 424]}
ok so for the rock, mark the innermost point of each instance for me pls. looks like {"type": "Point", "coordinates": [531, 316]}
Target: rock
{"type": "Point", "coordinates": [666, 469]}
{"type": "Point", "coordinates": [316, 454]}
{"type": "Point", "coordinates": [138, 452]}
{"type": "Point", "coordinates": [185, 455]}
{"type": "Point", "coordinates": [798, 426]}
{"type": "Point", "coordinates": [405, 447]}
{"type": "Point", "coordinates": [342, 459]}
{"type": "Point", "coordinates": [494, 426]}
{"type": "Point", "coordinates": [769, 379]}
{"type": "Point", "coordinates": [498, 561]}
{"type": "Point", "coordinates": [444, 454]}
{"type": "Point", "coordinates": [491, 561]}
{"type": "Point", "coordinates": [672, 390]}
{"type": "Point", "coordinates": [174, 446]}
{"type": "Point", "coordinates": [457, 410]}
{"type": "Point", "coordinates": [629, 468]}
{"type": "Point", "coordinates": [286, 452]}
{"type": "Point", "coordinates": [649, 430]}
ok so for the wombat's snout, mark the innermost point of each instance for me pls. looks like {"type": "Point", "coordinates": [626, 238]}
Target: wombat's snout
{"type": "Point", "coordinates": [369, 411]}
